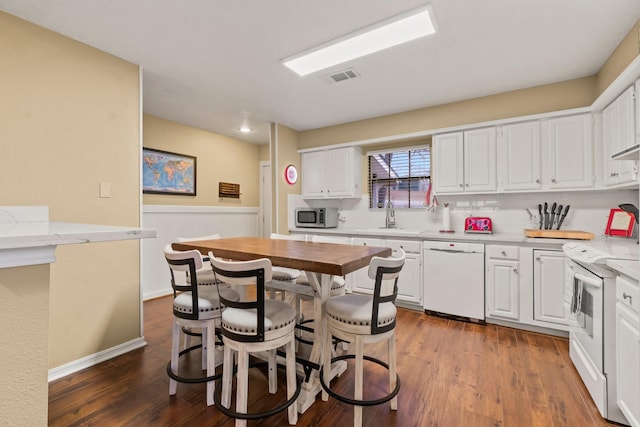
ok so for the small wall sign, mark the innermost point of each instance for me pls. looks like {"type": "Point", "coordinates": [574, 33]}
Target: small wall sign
{"type": "Point", "coordinates": [291, 174]}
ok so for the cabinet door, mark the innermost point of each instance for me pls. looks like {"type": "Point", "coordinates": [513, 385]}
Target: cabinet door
{"type": "Point", "coordinates": [339, 172]}
{"type": "Point", "coordinates": [480, 160]}
{"type": "Point", "coordinates": [618, 133]}
{"type": "Point", "coordinates": [409, 281]}
{"type": "Point", "coordinates": [548, 287]}
{"type": "Point", "coordinates": [360, 278]}
{"type": "Point", "coordinates": [503, 289]}
{"type": "Point", "coordinates": [628, 363]}
{"type": "Point", "coordinates": [313, 173]}
{"type": "Point", "coordinates": [570, 153]}
{"type": "Point", "coordinates": [448, 165]}
{"type": "Point", "coordinates": [519, 151]}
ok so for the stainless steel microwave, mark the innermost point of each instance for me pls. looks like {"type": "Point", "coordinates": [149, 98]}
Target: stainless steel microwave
{"type": "Point", "coordinates": [317, 217]}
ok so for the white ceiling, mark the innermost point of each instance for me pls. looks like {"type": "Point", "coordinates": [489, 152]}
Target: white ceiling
{"type": "Point", "coordinates": [215, 63]}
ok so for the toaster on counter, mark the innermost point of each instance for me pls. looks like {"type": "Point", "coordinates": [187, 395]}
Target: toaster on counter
{"type": "Point", "coordinates": [478, 224]}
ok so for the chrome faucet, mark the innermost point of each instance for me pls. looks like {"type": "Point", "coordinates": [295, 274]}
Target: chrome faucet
{"type": "Point", "coordinates": [390, 221]}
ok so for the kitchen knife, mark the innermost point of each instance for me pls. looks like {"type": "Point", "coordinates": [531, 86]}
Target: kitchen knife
{"type": "Point", "coordinates": [546, 216]}
{"type": "Point", "coordinates": [540, 212]}
{"type": "Point", "coordinates": [558, 213]}
{"type": "Point", "coordinates": [563, 217]}
{"type": "Point", "coordinates": [553, 215]}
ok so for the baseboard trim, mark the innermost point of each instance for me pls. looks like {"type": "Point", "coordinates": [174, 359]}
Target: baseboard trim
{"type": "Point", "coordinates": [94, 359]}
{"type": "Point", "coordinates": [157, 294]}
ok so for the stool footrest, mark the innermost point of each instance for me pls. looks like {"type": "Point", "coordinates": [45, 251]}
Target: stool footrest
{"type": "Point", "coordinates": [217, 396]}
{"type": "Point", "coordinates": [356, 402]}
{"type": "Point", "coordinates": [186, 380]}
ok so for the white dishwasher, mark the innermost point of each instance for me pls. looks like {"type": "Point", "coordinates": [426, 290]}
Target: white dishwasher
{"type": "Point", "coordinates": [454, 278]}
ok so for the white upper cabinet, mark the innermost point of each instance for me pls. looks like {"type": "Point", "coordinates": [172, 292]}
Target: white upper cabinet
{"type": "Point", "coordinates": [465, 161]}
{"type": "Point", "coordinates": [568, 153]}
{"type": "Point", "coordinates": [618, 134]}
{"type": "Point", "coordinates": [332, 173]}
{"type": "Point", "coordinates": [520, 157]}
{"type": "Point", "coordinates": [448, 162]}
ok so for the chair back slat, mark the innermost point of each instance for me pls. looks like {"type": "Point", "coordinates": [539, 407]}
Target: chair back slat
{"type": "Point", "coordinates": [244, 273]}
{"type": "Point", "coordinates": [385, 272]}
{"type": "Point", "coordinates": [184, 262]}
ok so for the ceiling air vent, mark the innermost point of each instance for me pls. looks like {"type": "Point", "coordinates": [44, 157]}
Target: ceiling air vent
{"type": "Point", "coordinates": [343, 75]}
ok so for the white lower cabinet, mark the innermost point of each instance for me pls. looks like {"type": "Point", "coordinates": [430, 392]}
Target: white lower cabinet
{"type": "Point", "coordinates": [628, 349]}
{"type": "Point", "coordinates": [548, 288]}
{"type": "Point", "coordinates": [410, 280]}
{"type": "Point", "coordinates": [502, 282]}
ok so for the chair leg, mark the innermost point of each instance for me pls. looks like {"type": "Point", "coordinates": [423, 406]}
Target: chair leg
{"type": "Point", "coordinates": [273, 372]}
{"type": "Point", "coordinates": [326, 363]}
{"type": "Point", "coordinates": [211, 359]}
{"type": "Point", "coordinates": [227, 376]}
{"type": "Point", "coordinates": [392, 370]}
{"type": "Point", "coordinates": [205, 347]}
{"type": "Point", "coordinates": [291, 380]}
{"type": "Point", "coordinates": [242, 385]}
{"type": "Point", "coordinates": [359, 373]}
{"type": "Point", "coordinates": [175, 350]}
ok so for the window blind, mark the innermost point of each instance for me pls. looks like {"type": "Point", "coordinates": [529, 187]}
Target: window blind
{"type": "Point", "coordinates": [400, 176]}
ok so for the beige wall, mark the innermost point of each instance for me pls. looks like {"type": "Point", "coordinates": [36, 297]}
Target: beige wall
{"type": "Point", "coordinates": [24, 293]}
{"type": "Point", "coordinates": [541, 99]}
{"type": "Point", "coordinates": [219, 159]}
{"type": "Point", "coordinates": [69, 116]}
{"type": "Point", "coordinates": [286, 144]}
{"type": "Point", "coordinates": [621, 57]}
{"type": "Point", "coordinates": [265, 154]}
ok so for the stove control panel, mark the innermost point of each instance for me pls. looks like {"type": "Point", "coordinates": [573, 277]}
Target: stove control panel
{"type": "Point", "coordinates": [582, 253]}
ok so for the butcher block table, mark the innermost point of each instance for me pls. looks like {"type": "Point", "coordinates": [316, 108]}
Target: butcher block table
{"type": "Point", "coordinates": [319, 261]}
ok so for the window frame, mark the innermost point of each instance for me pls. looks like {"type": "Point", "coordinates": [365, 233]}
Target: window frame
{"type": "Point", "coordinates": [370, 181]}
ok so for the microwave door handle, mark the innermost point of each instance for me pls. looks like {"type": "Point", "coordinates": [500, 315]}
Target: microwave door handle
{"type": "Point", "coordinates": [589, 280]}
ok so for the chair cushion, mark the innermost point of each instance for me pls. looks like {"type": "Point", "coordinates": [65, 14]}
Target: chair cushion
{"type": "Point", "coordinates": [283, 273]}
{"type": "Point", "coordinates": [208, 302]}
{"type": "Point", "coordinates": [352, 313]}
{"type": "Point", "coordinates": [279, 319]}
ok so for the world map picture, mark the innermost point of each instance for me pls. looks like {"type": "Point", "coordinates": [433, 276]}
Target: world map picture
{"type": "Point", "coordinates": [168, 173]}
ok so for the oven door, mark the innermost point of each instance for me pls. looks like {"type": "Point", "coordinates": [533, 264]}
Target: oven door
{"type": "Point", "coordinates": [586, 306]}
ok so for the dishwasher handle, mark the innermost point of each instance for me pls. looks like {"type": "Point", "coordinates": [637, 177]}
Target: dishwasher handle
{"type": "Point", "coordinates": [454, 251]}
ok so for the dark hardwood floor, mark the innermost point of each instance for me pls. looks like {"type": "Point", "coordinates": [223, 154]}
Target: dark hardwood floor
{"type": "Point", "coordinates": [453, 374]}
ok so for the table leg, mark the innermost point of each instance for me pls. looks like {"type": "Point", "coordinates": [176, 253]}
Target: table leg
{"type": "Point", "coordinates": [321, 284]}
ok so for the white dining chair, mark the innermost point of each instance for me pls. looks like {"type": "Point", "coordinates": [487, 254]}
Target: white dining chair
{"type": "Point", "coordinates": [193, 307]}
{"type": "Point", "coordinates": [365, 319]}
{"type": "Point", "coordinates": [250, 327]}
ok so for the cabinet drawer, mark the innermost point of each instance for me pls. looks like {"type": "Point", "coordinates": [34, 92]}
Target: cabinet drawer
{"type": "Point", "coordinates": [407, 245]}
{"type": "Point", "coordinates": [627, 292]}
{"type": "Point", "coordinates": [503, 252]}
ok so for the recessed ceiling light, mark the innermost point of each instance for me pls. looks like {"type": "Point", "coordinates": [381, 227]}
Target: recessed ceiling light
{"type": "Point", "coordinates": [392, 32]}
{"type": "Point", "coordinates": [245, 129]}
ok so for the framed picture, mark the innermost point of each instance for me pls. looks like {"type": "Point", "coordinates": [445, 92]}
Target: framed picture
{"type": "Point", "coordinates": [164, 172]}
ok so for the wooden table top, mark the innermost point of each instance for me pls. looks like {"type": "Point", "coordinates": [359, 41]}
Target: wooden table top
{"type": "Point", "coordinates": [328, 258]}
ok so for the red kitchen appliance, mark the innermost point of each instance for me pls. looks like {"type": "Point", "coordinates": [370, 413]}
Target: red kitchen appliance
{"type": "Point", "coordinates": [478, 224]}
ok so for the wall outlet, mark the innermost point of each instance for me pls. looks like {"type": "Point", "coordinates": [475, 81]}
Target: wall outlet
{"type": "Point", "coordinates": [105, 189]}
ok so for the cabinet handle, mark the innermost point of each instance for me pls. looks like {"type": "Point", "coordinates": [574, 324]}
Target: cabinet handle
{"type": "Point", "coordinates": [461, 186]}
{"type": "Point", "coordinates": [515, 270]}
{"type": "Point", "coordinates": [504, 253]}
{"type": "Point", "coordinates": [612, 174]}
{"type": "Point", "coordinates": [554, 180]}
{"type": "Point", "coordinates": [467, 185]}
{"type": "Point", "coordinates": [625, 296]}
{"type": "Point", "coordinates": [538, 181]}
{"type": "Point", "coordinates": [538, 259]}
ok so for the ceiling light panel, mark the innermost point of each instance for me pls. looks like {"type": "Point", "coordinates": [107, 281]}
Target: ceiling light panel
{"type": "Point", "coordinates": [386, 34]}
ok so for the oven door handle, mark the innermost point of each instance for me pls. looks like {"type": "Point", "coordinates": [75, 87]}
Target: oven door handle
{"type": "Point", "coordinates": [597, 283]}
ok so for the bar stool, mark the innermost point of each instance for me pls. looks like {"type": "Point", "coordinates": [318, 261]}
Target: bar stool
{"type": "Point", "coordinates": [193, 307]}
{"type": "Point", "coordinates": [260, 325]}
{"type": "Point", "coordinates": [365, 319]}
{"type": "Point", "coordinates": [285, 276]}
